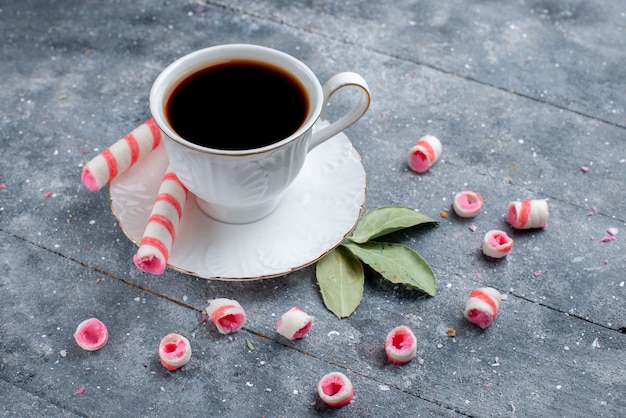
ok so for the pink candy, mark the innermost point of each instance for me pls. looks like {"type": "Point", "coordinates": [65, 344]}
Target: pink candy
{"type": "Point", "coordinates": [424, 154]}
{"type": "Point", "coordinates": [226, 314]}
{"type": "Point", "coordinates": [335, 389]}
{"type": "Point", "coordinates": [497, 244]}
{"type": "Point", "coordinates": [467, 204]}
{"type": "Point", "coordinates": [174, 351]}
{"type": "Point", "coordinates": [400, 345]}
{"type": "Point", "coordinates": [91, 334]}
{"type": "Point", "coordinates": [526, 214]}
{"type": "Point", "coordinates": [294, 324]}
{"type": "Point", "coordinates": [482, 305]}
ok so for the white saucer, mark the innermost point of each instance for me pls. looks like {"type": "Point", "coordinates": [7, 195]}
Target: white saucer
{"type": "Point", "coordinates": [317, 211]}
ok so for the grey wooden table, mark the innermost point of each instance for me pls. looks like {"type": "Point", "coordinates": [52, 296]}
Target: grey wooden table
{"type": "Point", "coordinates": [522, 94]}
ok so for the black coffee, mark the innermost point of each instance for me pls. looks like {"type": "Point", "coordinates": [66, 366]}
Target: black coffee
{"type": "Point", "coordinates": [237, 105]}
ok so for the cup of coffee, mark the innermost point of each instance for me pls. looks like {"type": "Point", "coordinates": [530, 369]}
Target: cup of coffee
{"type": "Point", "coordinates": [238, 121]}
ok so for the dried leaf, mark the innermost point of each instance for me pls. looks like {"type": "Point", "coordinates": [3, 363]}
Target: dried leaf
{"type": "Point", "coordinates": [397, 263]}
{"type": "Point", "coordinates": [340, 277]}
{"type": "Point", "coordinates": [385, 220]}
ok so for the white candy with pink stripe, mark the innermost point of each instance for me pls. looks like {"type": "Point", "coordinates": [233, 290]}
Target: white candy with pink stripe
{"type": "Point", "coordinates": [482, 305]}
{"type": "Point", "coordinates": [526, 214]}
{"type": "Point", "coordinates": [497, 244]}
{"type": "Point", "coordinates": [160, 233]}
{"type": "Point", "coordinates": [174, 351]}
{"type": "Point", "coordinates": [424, 154]}
{"type": "Point", "coordinates": [120, 156]}
{"type": "Point", "coordinates": [294, 324]}
{"type": "Point", "coordinates": [226, 314]}
{"type": "Point", "coordinates": [467, 204]}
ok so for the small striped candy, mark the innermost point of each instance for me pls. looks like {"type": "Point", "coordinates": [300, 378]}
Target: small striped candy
{"type": "Point", "coordinates": [160, 233]}
{"type": "Point", "coordinates": [497, 244]}
{"type": "Point", "coordinates": [335, 389]}
{"type": "Point", "coordinates": [226, 314]}
{"type": "Point", "coordinates": [467, 204]}
{"type": "Point", "coordinates": [174, 351]}
{"type": "Point", "coordinates": [294, 324]}
{"type": "Point", "coordinates": [482, 305]}
{"type": "Point", "coordinates": [120, 156]}
{"type": "Point", "coordinates": [401, 345]}
{"type": "Point", "coordinates": [424, 154]}
{"type": "Point", "coordinates": [526, 214]}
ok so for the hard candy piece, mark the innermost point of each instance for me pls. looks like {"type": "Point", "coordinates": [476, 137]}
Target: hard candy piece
{"type": "Point", "coordinates": [91, 334]}
{"type": "Point", "coordinates": [497, 244]}
{"type": "Point", "coordinates": [294, 324]}
{"type": "Point", "coordinates": [467, 204]}
{"type": "Point", "coordinates": [335, 389]}
{"type": "Point", "coordinates": [400, 345]}
{"type": "Point", "coordinates": [526, 214]}
{"type": "Point", "coordinates": [174, 351]}
{"type": "Point", "coordinates": [227, 315]}
{"type": "Point", "coordinates": [482, 305]}
{"type": "Point", "coordinates": [424, 154]}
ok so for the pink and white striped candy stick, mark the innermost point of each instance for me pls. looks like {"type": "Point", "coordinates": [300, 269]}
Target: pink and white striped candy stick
{"type": "Point", "coordinates": [528, 214]}
{"type": "Point", "coordinates": [121, 155]}
{"type": "Point", "coordinates": [159, 235]}
{"type": "Point", "coordinates": [424, 154]}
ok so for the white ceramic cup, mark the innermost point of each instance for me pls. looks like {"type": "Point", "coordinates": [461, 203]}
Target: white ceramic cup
{"type": "Point", "coordinates": [241, 186]}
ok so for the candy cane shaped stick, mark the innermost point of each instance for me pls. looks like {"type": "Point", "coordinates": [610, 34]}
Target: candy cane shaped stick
{"type": "Point", "coordinates": [424, 154]}
{"type": "Point", "coordinates": [159, 235]}
{"type": "Point", "coordinates": [120, 156]}
{"type": "Point", "coordinates": [528, 214]}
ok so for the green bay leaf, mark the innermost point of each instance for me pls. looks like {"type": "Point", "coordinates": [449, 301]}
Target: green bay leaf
{"type": "Point", "coordinates": [385, 220]}
{"type": "Point", "coordinates": [397, 263]}
{"type": "Point", "coordinates": [341, 278]}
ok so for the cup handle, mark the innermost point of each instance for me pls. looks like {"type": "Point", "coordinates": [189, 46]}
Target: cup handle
{"type": "Point", "coordinates": [336, 82]}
